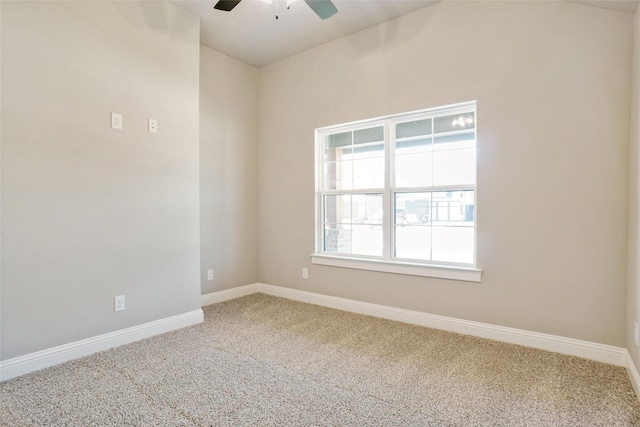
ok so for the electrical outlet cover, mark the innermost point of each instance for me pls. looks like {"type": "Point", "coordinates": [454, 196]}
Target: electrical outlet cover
{"type": "Point", "coordinates": [118, 303]}
{"type": "Point", "coordinates": [116, 121]}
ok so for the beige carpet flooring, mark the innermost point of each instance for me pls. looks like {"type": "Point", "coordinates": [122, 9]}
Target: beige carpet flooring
{"type": "Point", "coordinates": [266, 361]}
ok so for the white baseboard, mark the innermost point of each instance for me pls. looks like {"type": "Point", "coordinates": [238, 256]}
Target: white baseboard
{"type": "Point", "coordinates": [599, 352]}
{"type": "Point", "coordinates": [228, 294]}
{"type": "Point", "coordinates": [32, 362]}
{"type": "Point", "coordinates": [588, 350]}
{"type": "Point", "coordinates": [633, 373]}
{"type": "Point", "coordinates": [585, 349]}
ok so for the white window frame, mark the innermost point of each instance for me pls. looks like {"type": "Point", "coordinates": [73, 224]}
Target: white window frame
{"type": "Point", "coordinates": [387, 263]}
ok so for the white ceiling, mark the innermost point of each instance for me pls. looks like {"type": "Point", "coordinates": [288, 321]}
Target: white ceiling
{"type": "Point", "coordinates": [251, 34]}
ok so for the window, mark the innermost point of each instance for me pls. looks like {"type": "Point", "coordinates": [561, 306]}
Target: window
{"type": "Point", "coordinates": [398, 194]}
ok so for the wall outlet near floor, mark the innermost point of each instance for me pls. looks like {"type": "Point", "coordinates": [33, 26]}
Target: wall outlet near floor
{"type": "Point", "coordinates": [153, 125]}
{"type": "Point", "coordinates": [209, 274]}
{"type": "Point", "coordinates": [118, 303]}
{"type": "Point", "coordinates": [635, 333]}
{"type": "Point", "coordinates": [305, 273]}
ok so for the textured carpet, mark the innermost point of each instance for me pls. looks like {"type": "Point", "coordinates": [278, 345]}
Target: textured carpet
{"type": "Point", "coordinates": [266, 361]}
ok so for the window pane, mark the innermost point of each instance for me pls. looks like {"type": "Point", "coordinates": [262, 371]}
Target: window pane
{"type": "Point", "coordinates": [414, 170]}
{"type": "Point", "coordinates": [337, 238]}
{"type": "Point", "coordinates": [342, 153]}
{"type": "Point", "coordinates": [436, 226]}
{"type": "Point", "coordinates": [413, 159]}
{"type": "Point", "coordinates": [370, 205]}
{"type": "Point", "coordinates": [454, 166]}
{"type": "Point", "coordinates": [343, 213]}
{"type": "Point", "coordinates": [368, 173]}
{"type": "Point", "coordinates": [369, 150]}
{"type": "Point", "coordinates": [455, 122]}
{"type": "Point", "coordinates": [352, 209]}
{"type": "Point", "coordinates": [409, 129]}
{"type": "Point", "coordinates": [363, 136]}
{"type": "Point", "coordinates": [414, 145]}
{"type": "Point", "coordinates": [339, 139]}
{"type": "Point", "coordinates": [338, 175]}
{"type": "Point", "coordinates": [458, 137]}
{"type": "Point", "coordinates": [329, 181]}
{"type": "Point", "coordinates": [415, 207]}
{"type": "Point", "coordinates": [337, 210]}
{"type": "Point", "coordinates": [413, 242]}
{"type": "Point", "coordinates": [356, 239]}
{"type": "Point", "coordinates": [453, 243]}
{"type": "Point", "coordinates": [452, 220]}
{"type": "Point", "coordinates": [452, 206]}
{"type": "Point", "coordinates": [412, 233]}
{"type": "Point", "coordinates": [367, 240]}
{"type": "Point", "coordinates": [337, 146]}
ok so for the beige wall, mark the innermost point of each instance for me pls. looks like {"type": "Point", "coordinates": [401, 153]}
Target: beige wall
{"type": "Point", "coordinates": [552, 82]}
{"type": "Point", "coordinates": [89, 212]}
{"type": "Point", "coordinates": [633, 299]}
{"type": "Point", "coordinates": [228, 171]}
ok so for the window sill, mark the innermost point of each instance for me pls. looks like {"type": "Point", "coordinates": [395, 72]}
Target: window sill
{"type": "Point", "coordinates": [467, 274]}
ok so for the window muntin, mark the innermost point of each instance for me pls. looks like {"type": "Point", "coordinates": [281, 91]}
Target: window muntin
{"type": "Point", "coordinates": [400, 188]}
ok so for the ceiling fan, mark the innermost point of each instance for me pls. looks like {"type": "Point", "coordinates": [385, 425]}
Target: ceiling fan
{"type": "Point", "coordinates": [323, 8]}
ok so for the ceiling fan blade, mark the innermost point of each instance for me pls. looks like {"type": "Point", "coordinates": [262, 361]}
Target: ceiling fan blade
{"type": "Point", "coordinates": [226, 5]}
{"type": "Point", "coordinates": [323, 8]}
